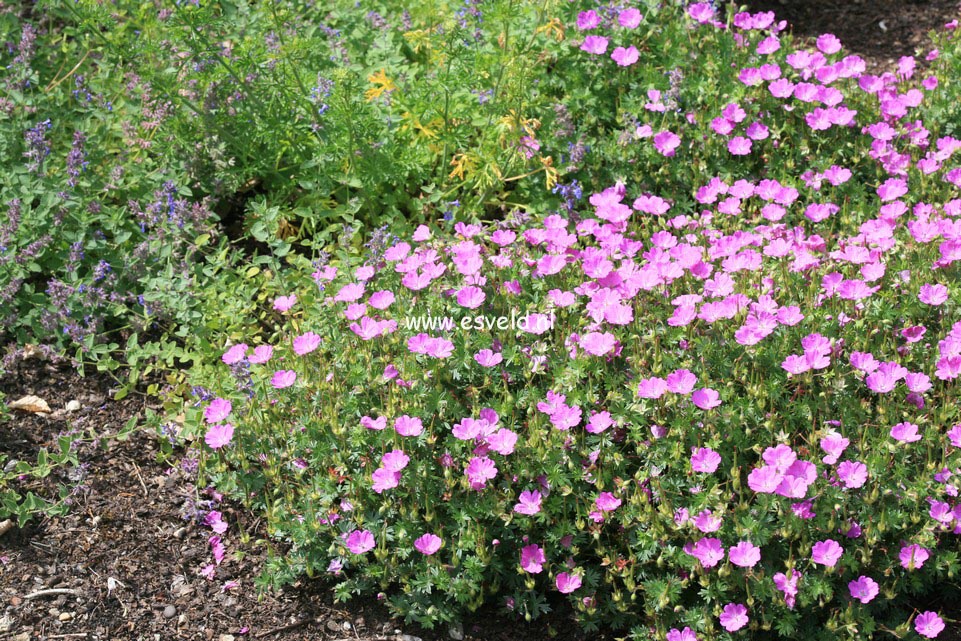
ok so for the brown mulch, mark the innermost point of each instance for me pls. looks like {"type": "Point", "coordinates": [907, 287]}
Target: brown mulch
{"type": "Point", "coordinates": [131, 561]}
{"type": "Point", "coordinates": [881, 31]}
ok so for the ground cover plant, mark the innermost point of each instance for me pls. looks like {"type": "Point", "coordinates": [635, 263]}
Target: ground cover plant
{"type": "Point", "coordinates": [646, 308]}
{"type": "Point", "coordinates": [728, 410]}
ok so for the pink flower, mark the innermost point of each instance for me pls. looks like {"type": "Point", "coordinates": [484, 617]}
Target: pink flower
{"type": "Point", "coordinates": [306, 343]}
{"type": "Point", "coordinates": [488, 358]}
{"type": "Point", "coordinates": [408, 425]}
{"type": "Point", "coordinates": [536, 323]}
{"type": "Point", "coordinates": [588, 20]}
{"type": "Point", "coordinates": [764, 479]}
{"type": "Point", "coordinates": [681, 381]}
{"type": "Point", "coordinates": [739, 146]}
{"type": "Point", "coordinates": [218, 410]}
{"type": "Point", "coordinates": [599, 422]}
{"type": "Point", "coordinates": [395, 460]}
{"type": "Point", "coordinates": [913, 556]}
{"type": "Point", "coordinates": [219, 435]}
{"type": "Point", "coordinates": [708, 551]}
{"type": "Point", "coordinates": [705, 460]}
{"type": "Point", "coordinates": [827, 552]}
{"type": "Point", "coordinates": [834, 445]}
{"type": "Point", "coordinates": [653, 387]}
{"type": "Point", "coordinates": [283, 378]}
{"type": "Point", "coordinates": [502, 441]}
{"type": "Point", "coordinates": [349, 293]}
{"type": "Point", "coordinates": [595, 45]}
{"type": "Point", "coordinates": [745, 554]}
{"type": "Point", "coordinates": [382, 299]}
{"type": "Point", "coordinates": [625, 57]}
{"type": "Point", "coordinates": [734, 617]}
{"type": "Point", "coordinates": [528, 503]}
{"type": "Point", "coordinates": [217, 549]}
{"type": "Point", "coordinates": [235, 354]}
{"type": "Point", "coordinates": [568, 582]}
{"type": "Point", "coordinates": [532, 559]}
{"type": "Point", "coordinates": [372, 423]}
{"type": "Point", "coordinates": [262, 354]}
{"type": "Point", "coordinates": [666, 142]}
{"type": "Point", "coordinates": [933, 295]}
{"type": "Point", "coordinates": [480, 470]}
{"type": "Point", "coordinates": [905, 432]}
{"type": "Point", "coordinates": [853, 474]}
{"type": "Point", "coordinates": [471, 297]}
{"type": "Point", "coordinates": [598, 343]}
{"type": "Point", "coordinates": [788, 586]}
{"type": "Point", "coordinates": [706, 398]}
{"type": "Point", "coordinates": [828, 43]}
{"type": "Point", "coordinates": [427, 544]}
{"type": "Point", "coordinates": [607, 502]}
{"type": "Point", "coordinates": [284, 303]}
{"type": "Point", "coordinates": [359, 541]}
{"type": "Point", "coordinates": [629, 18]}
{"type": "Point", "coordinates": [687, 634]}
{"type": "Point", "coordinates": [384, 479]}
{"type": "Point", "coordinates": [929, 624]}
{"type": "Point", "coordinates": [864, 589]}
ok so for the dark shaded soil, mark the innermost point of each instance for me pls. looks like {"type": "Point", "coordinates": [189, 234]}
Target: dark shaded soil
{"type": "Point", "coordinates": [880, 31]}
{"type": "Point", "coordinates": [130, 556]}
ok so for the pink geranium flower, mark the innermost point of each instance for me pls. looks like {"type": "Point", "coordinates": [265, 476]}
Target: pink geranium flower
{"type": "Point", "coordinates": [528, 503]}
{"type": "Point", "coordinates": [625, 57]}
{"type": "Point", "coordinates": [933, 295]}
{"type": "Point", "coordinates": [408, 425]}
{"type": "Point", "coordinates": [532, 559]}
{"type": "Point", "coordinates": [567, 582]}
{"type": "Point", "coordinates": [745, 554]}
{"type": "Point", "coordinates": [262, 354]}
{"type": "Point", "coordinates": [595, 45]}
{"type": "Point", "coordinates": [306, 343]}
{"type": "Point", "coordinates": [666, 142]}
{"type": "Point", "coordinates": [913, 556]}
{"type": "Point", "coordinates": [218, 410]}
{"type": "Point", "coordinates": [359, 541]}
{"type": "Point", "coordinates": [284, 303]}
{"type": "Point", "coordinates": [427, 544]}
{"type": "Point", "coordinates": [864, 589]}
{"type": "Point", "coordinates": [235, 354]}
{"type": "Point", "coordinates": [283, 378]}
{"type": "Point", "coordinates": [219, 435]}
{"type": "Point", "coordinates": [734, 617]}
{"type": "Point", "coordinates": [827, 552]}
{"type": "Point", "coordinates": [708, 551]}
{"type": "Point", "coordinates": [905, 432]}
{"type": "Point", "coordinates": [488, 358]}
{"type": "Point", "coordinates": [929, 624]}
{"type": "Point", "coordinates": [607, 502]}
{"type": "Point", "coordinates": [705, 460]}
{"type": "Point", "coordinates": [706, 398]}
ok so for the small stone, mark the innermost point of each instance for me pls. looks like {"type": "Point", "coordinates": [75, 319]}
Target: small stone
{"type": "Point", "coordinates": [333, 626]}
{"type": "Point", "coordinates": [225, 637]}
{"type": "Point", "coordinates": [456, 631]}
{"type": "Point", "coordinates": [65, 616]}
{"type": "Point", "coordinates": [409, 637]}
{"type": "Point", "coordinates": [72, 406]}
{"type": "Point", "coordinates": [23, 636]}
{"type": "Point", "coordinates": [170, 612]}
{"type": "Point", "coordinates": [6, 624]}
{"type": "Point", "coordinates": [180, 532]}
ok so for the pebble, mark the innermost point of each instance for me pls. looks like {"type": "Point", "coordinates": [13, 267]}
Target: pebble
{"type": "Point", "coordinates": [456, 632]}
{"type": "Point", "coordinates": [409, 637]}
{"type": "Point", "coordinates": [6, 624]}
{"type": "Point", "coordinates": [65, 616]}
{"type": "Point", "coordinates": [72, 406]}
{"type": "Point", "coordinates": [170, 612]}
{"type": "Point", "coordinates": [333, 626]}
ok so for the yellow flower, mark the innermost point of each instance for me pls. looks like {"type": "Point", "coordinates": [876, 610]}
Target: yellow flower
{"type": "Point", "coordinates": [381, 84]}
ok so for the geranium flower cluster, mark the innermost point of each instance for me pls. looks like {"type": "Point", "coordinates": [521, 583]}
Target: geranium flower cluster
{"type": "Point", "coordinates": [743, 391]}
